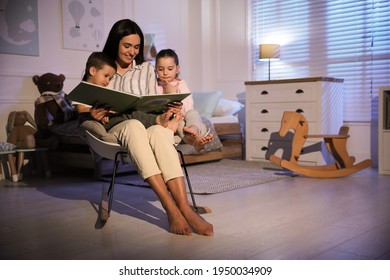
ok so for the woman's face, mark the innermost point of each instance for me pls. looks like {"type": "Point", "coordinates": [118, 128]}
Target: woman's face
{"type": "Point", "coordinates": [128, 49]}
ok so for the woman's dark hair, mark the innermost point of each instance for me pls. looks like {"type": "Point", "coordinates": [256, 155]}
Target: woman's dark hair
{"type": "Point", "coordinates": [98, 60]}
{"type": "Point", "coordinates": [119, 30]}
{"type": "Point", "coordinates": [168, 53]}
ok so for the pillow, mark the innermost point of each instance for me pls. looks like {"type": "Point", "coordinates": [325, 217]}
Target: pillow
{"type": "Point", "coordinates": [206, 102]}
{"type": "Point", "coordinates": [213, 145]}
{"type": "Point", "coordinates": [226, 107]}
{"type": "Point", "coordinates": [5, 146]}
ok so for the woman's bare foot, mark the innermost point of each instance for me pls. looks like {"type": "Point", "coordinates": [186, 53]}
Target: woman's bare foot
{"type": "Point", "coordinates": [193, 138]}
{"type": "Point", "coordinates": [199, 225]}
{"type": "Point", "coordinates": [177, 223]}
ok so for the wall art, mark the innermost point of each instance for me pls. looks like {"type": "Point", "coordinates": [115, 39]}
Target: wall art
{"type": "Point", "coordinates": [19, 27]}
{"type": "Point", "coordinates": [83, 24]}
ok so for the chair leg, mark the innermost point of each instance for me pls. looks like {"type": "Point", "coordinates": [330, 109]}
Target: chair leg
{"type": "Point", "coordinates": [110, 192]}
{"type": "Point", "coordinates": [107, 196]}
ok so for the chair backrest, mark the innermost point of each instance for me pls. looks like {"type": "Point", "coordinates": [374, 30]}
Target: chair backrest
{"type": "Point", "coordinates": [104, 149]}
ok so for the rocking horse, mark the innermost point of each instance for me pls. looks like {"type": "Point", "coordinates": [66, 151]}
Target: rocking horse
{"type": "Point", "coordinates": [336, 144]}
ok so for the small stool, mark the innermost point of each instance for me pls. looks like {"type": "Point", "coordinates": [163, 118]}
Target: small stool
{"type": "Point", "coordinates": [8, 160]}
{"type": "Point", "coordinates": [21, 153]}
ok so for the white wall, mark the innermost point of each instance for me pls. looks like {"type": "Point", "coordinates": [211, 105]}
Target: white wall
{"type": "Point", "coordinates": [18, 92]}
{"type": "Point", "coordinates": [191, 27]}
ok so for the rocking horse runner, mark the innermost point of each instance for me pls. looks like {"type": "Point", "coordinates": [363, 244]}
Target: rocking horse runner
{"type": "Point", "coordinates": [335, 143]}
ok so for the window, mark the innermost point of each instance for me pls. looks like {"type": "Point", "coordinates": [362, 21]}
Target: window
{"type": "Point", "coordinates": [348, 39]}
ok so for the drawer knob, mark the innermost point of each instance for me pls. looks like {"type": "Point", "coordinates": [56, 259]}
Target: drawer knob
{"type": "Point", "coordinates": [264, 130]}
{"type": "Point", "coordinates": [264, 92]}
{"type": "Point", "coordinates": [299, 91]}
{"type": "Point", "coordinates": [264, 111]}
{"type": "Point", "coordinates": [264, 148]}
{"type": "Point", "coordinates": [299, 111]}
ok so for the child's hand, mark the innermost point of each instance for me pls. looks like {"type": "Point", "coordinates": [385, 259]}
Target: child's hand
{"type": "Point", "coordinates": [100, 113]}
{"type": "Point", "coordinates": [170, 120]}
{"type": "Point", "coordinates": [172, 87]}
{"type": "Point", "coordinates": [105, 119]}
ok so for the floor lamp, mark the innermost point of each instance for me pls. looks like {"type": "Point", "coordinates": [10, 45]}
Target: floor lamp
{"type": "Point", "coordinates": [268, 52]}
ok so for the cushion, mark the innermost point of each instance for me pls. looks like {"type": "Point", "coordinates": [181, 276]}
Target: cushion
{"type": "Point", "coordinates": [206, 102]}
{"type": "Point", "coordinates": [226, 107]}
{"type": "Point", "coordinates": [215, 144]}
{"type": "Point", "coordinates": [5, 146]}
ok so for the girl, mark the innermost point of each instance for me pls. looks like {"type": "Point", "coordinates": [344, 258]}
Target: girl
{"type": "Point", "coordinates": [192, 129]}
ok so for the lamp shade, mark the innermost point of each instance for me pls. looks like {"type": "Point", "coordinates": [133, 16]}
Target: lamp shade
{"type": "Point", "coordinates": [269, 52]}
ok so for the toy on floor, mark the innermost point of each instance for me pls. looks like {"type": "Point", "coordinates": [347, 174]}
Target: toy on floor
{"type": "Point", "coordinates": [335, 143]}
{"type": "Point", "coordinates": [21, 129]}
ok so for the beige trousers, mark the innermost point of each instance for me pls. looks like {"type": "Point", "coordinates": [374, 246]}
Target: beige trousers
{"type": "Point", "coordinates": [152, 150]}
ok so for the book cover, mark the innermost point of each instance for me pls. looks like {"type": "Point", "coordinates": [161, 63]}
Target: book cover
{"type": "Point", "coordinates": [120, 101]}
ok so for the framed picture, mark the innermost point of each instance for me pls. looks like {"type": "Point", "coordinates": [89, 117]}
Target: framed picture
{"type": "Point", "coordinates": [19, 27]}
{"type": "Point", "coordinates": [83, 24]}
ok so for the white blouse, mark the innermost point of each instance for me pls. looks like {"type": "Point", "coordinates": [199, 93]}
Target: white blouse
{"type": "Point", "coordinates": [141, 80]}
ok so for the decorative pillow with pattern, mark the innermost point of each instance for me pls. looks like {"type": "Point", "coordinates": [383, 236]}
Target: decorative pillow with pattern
{"type": "Point", "coordinates": [214, 145]}
{"type": "Point", "coordinates": [4, 146]}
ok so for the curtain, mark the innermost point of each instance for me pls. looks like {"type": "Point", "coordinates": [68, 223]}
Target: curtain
{"type": "Point", "coordinates": [348, 39]}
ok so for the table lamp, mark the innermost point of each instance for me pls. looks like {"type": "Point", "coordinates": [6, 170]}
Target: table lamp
{"type": "Point", "coordinates": [268, 52]}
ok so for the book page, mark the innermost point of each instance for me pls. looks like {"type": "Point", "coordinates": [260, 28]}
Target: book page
{"type": "Point", "coordinates": [119, 101]}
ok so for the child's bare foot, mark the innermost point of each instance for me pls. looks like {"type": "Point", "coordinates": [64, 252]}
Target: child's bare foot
{"type": "Point", "coordinates": [192, 137]}
{"type": "Point", "coordinates": [200, 141]}
{"type": "Point", "coordinates": [170, 120]}
{"type": "Point", "coordinates": [199, 225]}
{"type": "Point", "coordinates": [177, 223]}
{"type": "Point", "coordinates": [174, 121]}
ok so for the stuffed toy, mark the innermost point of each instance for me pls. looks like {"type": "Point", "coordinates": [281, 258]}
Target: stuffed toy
{"type": "Point", "coordinates": [51, 107]}
{"type": "Point", "coordinates": [21, 129]}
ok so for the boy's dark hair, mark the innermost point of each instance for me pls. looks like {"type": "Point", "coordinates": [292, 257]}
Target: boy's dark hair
{"type": "Point", "coordinates": [98, 60]}
{"type": "Point", "coordinates": [168, 53]}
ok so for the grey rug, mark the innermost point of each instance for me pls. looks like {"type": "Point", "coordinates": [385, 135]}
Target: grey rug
{"type": "Point", "coordinates": [221, 176]}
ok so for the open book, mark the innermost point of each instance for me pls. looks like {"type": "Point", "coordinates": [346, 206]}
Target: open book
{"type": "Point", "coordinates": [119, 101]}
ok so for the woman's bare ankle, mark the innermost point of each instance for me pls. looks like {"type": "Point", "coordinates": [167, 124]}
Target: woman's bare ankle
{"type": "Point", "coordinates": [199, 225]}
{"type": "Point", "coordinates": [177, 222]}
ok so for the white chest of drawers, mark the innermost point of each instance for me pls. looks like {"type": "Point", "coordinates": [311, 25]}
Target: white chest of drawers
{"type": "Point", "coordinates": [384, 131]}
{"type": "Point", "coordinates": [319, 99]}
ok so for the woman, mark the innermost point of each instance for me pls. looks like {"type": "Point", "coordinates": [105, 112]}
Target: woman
{"type": "Point", "coordinates": [151, 149]}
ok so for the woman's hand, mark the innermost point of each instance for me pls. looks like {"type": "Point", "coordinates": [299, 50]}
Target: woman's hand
{"type": "Point", "coordinates": [174, 107]}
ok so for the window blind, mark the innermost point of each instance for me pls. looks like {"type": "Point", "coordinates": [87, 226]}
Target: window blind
{"type": "Point", "coordinates": [348, 39]}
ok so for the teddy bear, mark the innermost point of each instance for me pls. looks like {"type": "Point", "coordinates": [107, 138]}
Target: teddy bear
{"type": "Point", "coordinates": [21, 129]}
{"type": "Point", "coordinates": [51, 107]}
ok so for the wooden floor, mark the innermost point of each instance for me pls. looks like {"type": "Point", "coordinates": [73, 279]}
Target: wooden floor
{"type": "Point", "coordinates": [293, 218]}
